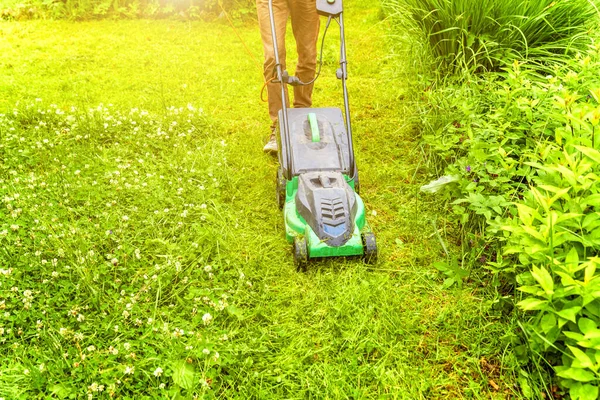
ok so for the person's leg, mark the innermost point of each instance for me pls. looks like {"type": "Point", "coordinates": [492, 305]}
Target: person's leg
{"type": "Point", "coordinates": [281, 12]}
{"type": "Point", "coordinates": [305, 25]}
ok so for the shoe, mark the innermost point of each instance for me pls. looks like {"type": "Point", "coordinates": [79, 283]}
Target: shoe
{"type": "Point", "coordinates": [271, 146]}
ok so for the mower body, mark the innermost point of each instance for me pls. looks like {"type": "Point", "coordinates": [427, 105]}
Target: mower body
{"type": "Point", "coordinates": [317, 186]}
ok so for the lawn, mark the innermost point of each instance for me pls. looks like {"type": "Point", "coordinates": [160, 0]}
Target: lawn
{"type": "Point", "coordinates": [143, 254]}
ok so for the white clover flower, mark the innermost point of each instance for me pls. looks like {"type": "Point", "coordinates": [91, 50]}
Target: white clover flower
{"type": "Point", "coordinates": [129, 370]}
{"type": "Point", "coordinates": [207, 268]}
{"type": "Point", "coordinates": [207, 318]}
{"type": "Point", "coordinates": [126, 346]}
{"type": "Point", "coordinates": [158, 372]}
{"type": "Point", "coordinates": [178, 332]}
{"type": "Point", "coordinates": [125, 218]}
{"type": "Point", "coordinates": [206, 351]}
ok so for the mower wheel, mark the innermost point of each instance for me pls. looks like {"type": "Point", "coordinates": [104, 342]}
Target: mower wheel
{"type": "Point", "coordinates": [369, 247]}
{"type": "Point", "coordinates": [280, 188]}
{"type": "Point", "coordinates": [300, 253]}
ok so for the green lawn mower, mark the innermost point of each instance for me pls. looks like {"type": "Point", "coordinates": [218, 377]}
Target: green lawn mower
{"type": "Point", "coordinates": [317, 178]}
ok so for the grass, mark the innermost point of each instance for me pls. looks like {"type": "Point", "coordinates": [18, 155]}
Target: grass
{"type": "Point", "coordinates": [125, 251]}
{"type": "Point", "coordinates": [466, 36]}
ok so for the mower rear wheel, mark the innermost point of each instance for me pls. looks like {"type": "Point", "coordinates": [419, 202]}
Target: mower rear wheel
{"type": "Point", "coordinates": [300, 253]}
{"type": "Point", "coordinates": [369, 247]}
{"type": "Point", "coordinates": [281, 183]}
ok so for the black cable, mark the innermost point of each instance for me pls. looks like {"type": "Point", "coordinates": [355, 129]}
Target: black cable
{"type": "Point", "coordinates": [320, 55]}
{"type": "Point", "coordinates": [299, 82]}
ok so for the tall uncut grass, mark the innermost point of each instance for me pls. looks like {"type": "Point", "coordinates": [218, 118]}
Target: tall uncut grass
{"type": "Point", "coordinates": [485, 34]}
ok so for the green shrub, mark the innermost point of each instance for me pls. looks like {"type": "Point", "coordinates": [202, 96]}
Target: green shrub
{"type": "Point", "coordinates": [96, 9]}
{"type": "Point", "coordinates": [556, 234]}
{"type": "Point", "coordinates": [523, 151]}
{"type": "Point", "coordinates": [484, 35]}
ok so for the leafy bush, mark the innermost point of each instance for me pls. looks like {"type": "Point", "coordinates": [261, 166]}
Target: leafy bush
{"type": "Point", "coordinates": [95, 9]}
{"type": "Point", "coordinates": [523, 151]}
{"type": "Point", "coordinates": [556, 234]}
{"type": "Point", "coordinates": [484, 35]}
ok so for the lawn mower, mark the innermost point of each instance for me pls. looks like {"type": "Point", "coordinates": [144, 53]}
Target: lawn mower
{"type": "Point", "coordinates": [317, 178]}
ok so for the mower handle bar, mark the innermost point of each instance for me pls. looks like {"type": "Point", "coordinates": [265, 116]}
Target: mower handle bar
{"type": "Point", "coordinates": [284, 78]}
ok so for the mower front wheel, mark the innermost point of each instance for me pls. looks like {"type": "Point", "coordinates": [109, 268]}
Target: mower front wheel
{"type": "Point", "coordinates": [369, 247]}
{"type": "Point", "coordinates": [300, 253]}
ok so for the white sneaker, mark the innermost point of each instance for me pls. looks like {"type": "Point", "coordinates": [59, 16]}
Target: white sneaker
{"type": "Point", "coordinates": [271, 146]}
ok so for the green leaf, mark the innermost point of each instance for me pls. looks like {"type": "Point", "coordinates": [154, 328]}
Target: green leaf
{"type": "Point", "coordinates": [569, 313]}
{"type": "Point", "coordinates": [583, 391]}
{"type": "Point", "coordinates": [533, 289]}
{"type": "Point", "coordinates": [525, 387]}
{"type": "Point", "coordinates": [543, 277]}
{"type": "Point", "coordinates": [593, 334]}
{"type": "Point", "coordinates": [591, 200]}
{"type": "Point", "coordinates": [236, 312]}
{"type": "Point", "coordinates": [590, 270]}
{"type": "Point", "coordinates": [548, 322]}
{"type": "Point", "coordinates": [586, 325]}
{"type": "Point", "coordinates": [525, 214]}
{"type": "Point", "coordinates": [530, 304]}
{"type": "Point", "coordinates": [572, 260]}
{"type": "Point", "coordinates": [60, 390]}
{"type": "Point", "coordinates": [591, 221]}
{"type": "Point", "coordinates": [576, 374]}
{"type": "Point", "coordinates": [183, 374]}
{"type": "Point", "coordinates": [590, 153]}
{"type": "Point", "coordinates": [578, 337]}
{"type": "Point", "coordinates": [448, 282]}
{"type": "Point", "coordinates": [583, 359]}
{"type": "Point", "coordinates": [540, 199]}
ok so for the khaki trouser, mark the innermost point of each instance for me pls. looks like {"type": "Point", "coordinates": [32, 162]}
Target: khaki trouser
{"type": "Point", "coordinates": [305, 26]}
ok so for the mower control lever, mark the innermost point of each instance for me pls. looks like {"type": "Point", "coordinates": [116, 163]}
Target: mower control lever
{"type": "Point", "coordinates": [290, 79]}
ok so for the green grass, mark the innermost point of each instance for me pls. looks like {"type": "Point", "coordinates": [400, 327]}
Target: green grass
{"type": "Point", "coordinates": [466, 36]}
{"type": "Point", "coordinates": [203, 195]}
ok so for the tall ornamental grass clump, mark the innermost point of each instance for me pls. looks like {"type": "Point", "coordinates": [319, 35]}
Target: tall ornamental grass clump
{"type": "Point", "coordinates": [486, 34]}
